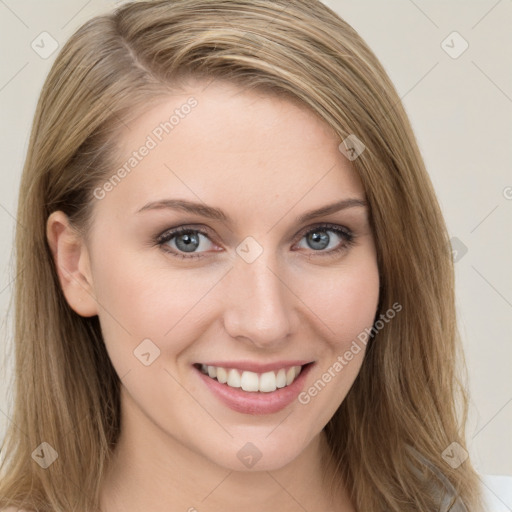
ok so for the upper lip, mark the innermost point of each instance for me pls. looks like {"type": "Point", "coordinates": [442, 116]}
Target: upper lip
{"type": "Point", "coordinates": [252, 366]}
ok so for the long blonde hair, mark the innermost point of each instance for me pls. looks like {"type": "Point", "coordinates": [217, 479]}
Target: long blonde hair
{"type": "Point", "coordinates": [409, 392]}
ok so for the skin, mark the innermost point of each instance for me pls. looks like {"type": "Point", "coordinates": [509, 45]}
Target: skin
{"type": "Point", "coordinates": [264, 161]}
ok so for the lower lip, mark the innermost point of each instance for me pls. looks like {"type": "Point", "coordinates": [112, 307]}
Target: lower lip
{"type": "Point", "coordinates": [256, 402]}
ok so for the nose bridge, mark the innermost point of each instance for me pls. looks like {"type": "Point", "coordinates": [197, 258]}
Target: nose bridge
{"type": "Point", "coordinates": [258, 304]}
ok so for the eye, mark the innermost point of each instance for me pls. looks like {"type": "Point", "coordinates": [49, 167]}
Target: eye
{"type": "Point", "coordinates": [319, 239]}
{"type": "Point", "coordinates": [184, 242]}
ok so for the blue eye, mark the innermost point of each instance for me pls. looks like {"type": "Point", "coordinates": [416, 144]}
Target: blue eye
{"type": "Point", "coordinates": [318, 239]}
{"type": "Point", "coordinates": [183, 242]}
{"type": "Point", "coordinates": [184, 239]}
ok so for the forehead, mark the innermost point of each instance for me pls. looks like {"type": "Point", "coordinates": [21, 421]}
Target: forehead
{"type": "Point", "coordinates": [218, 143]}
{"type": "Point", "coordinates": [212, 110]}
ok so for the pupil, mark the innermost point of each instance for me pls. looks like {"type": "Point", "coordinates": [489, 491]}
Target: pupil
{"type": "Point", "coordinates": [189, 242]}
{"type": "Point", "coordinates": [319, 240]}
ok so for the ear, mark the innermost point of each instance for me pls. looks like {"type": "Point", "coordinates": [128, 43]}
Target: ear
{"type": "Point", "coordinates": [72, 263]}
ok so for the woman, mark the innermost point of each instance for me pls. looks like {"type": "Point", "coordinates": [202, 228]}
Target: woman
{"type": "Point", "coordinates": [236, 288]}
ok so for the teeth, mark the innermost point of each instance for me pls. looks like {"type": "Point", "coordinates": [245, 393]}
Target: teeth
{"type": "Point", "coordinates": [251, 381]}
{"type": "Point", "coordinates": [268, 382]}
{"type": "Point", "coordinates": [222, 375]}
{"type": "Point", "coordinates": [281, 378]}
{"type": "Point", "coordinates": [234, 379]}
{"type": "Point", "coordinates": [290, 375]}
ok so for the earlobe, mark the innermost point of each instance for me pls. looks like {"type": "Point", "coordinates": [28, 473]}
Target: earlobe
{"type": "Point", "coordinates": [71, 259]}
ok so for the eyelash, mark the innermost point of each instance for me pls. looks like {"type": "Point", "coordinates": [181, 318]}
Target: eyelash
{"type": "Point", "coordinates": [344, 233]}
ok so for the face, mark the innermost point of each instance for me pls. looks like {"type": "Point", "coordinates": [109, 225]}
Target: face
{"type": "Point", "coordinates": [207, 266]}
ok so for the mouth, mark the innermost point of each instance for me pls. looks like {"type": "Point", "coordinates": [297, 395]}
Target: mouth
{"type": "Point", "coordinates": [244, 390]}
{"type": "Point", "coordinates": [253, 382]}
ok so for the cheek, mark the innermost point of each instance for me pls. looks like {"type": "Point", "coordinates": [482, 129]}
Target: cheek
{"type": "Point", "coordinates": [143, 300]}
{"type": "Point", "coordinates": [344, 300]}
{"type": "Point", "coordinates": [346, 311]}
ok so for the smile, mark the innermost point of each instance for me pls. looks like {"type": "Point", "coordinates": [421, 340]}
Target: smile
{"type": "Point", "coordinates": [253, 388]}
{"type": "Point", "coordinates": [253, 382]}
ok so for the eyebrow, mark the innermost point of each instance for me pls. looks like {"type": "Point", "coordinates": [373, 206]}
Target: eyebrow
{"type": "Point", "coordinates": [217, 214]}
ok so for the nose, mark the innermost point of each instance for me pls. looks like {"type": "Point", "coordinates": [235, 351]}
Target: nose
{"type": "Point", "coordinates": [258, 303]}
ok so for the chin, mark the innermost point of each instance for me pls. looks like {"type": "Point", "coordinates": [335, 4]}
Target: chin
{"type": "Point", "coordinates": [259, 451]}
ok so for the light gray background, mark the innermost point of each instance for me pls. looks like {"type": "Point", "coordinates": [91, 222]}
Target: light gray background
{"type": "Point", "coordinates": [461, 111]}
